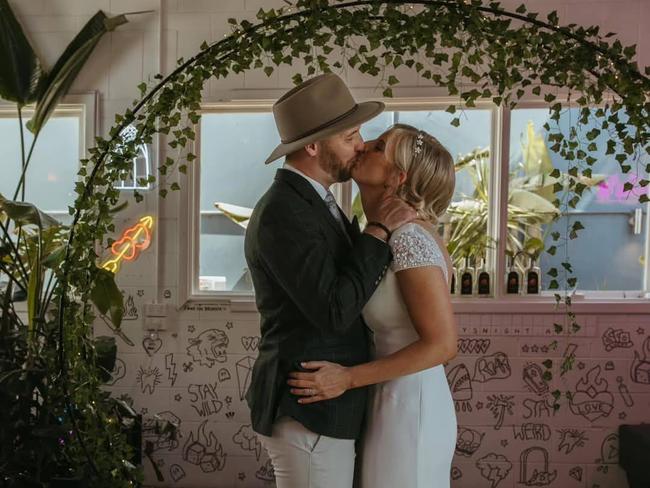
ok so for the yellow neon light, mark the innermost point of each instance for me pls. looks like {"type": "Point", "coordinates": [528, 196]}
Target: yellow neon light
{"type": "Point", "coordinates": [134, 240]}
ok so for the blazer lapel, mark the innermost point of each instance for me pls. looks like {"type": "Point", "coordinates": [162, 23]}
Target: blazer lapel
{"type": "Point", "coordinates": [307, 191]}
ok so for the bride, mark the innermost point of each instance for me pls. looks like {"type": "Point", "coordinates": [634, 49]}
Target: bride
{"type": "Point", "coordinates": [411, 423]}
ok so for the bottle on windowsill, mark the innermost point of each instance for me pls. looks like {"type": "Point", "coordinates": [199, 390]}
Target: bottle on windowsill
{"type": "Point", "coordinates": [483, 280]}
{"type": "Point", "coordinates": [467, 276]}
{"type": "Point", "coordinates": [454, 281]}
{"type": "Point", "coordinates": [513, 278]}
{"type": "Point", "coordinates": [533, 274]}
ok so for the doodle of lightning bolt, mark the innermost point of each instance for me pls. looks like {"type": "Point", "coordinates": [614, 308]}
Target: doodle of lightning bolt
{"type": "Point", "coordinates": [171, 367]}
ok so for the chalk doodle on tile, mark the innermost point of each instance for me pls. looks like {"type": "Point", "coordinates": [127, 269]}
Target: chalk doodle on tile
{"type": "Point", "coordinates": [247, 440]}
{"type": "Point", "coordinates": [576, 473]}
{"type": "Point", "coordinates": [209, 347]}
{"type": "Point", "coordinates": [531, 431]}
{"type": "Point", "coordinates": [176, 472]}
{"type": "Point", "coordinates": [536, 477]}
{"type": "Point", "coordinates": [140, 293]}
{"type": "Point", "coordinates": [473, 346]}
{"type": "Point", "coordinates": [591, 399]}
{"type": "Point", "coordinates": [266, 472]}
{"type": "Point", "coordinates": [167, 294]}
{"type": "Point", "coordinates": [500, 405]}
{"type": "Point", "coordinates": [494, 468]}
{"type": "Point", "coordinates": [570, 439]}
{"type": "Point", "coordinates": [241, 476]}
{"type": "Point", "coordinates": [170, 366]}
{"type": "Point", "coordinates": [568, 358]}
{"type": "Point", "coordinates": [230, 415]}
{"type": "Point", "coordinates": [223, 375]}
{"type": "Point", "coordinates": [119, 372]}
{"type": "Point", "coordinates": [609, 366]}
{"type": "Point", "coordinates": [152, 343]}
{"type": "Point", "coordinates": [244, 369]}
{"type": "Point", "coordinates": [456, 473]}
{"type": "Point", "coordinates": [204, 399]}
{"type": "Point", "coordinates": [640, 370]}
{"type": "Point", "coordinates": [609, 449]}
{"type": "Point", "coordinates": [188, 367]}
{"type": "Point", "coordinates": [250, 343]}
{"type": "Point", "coordinates": [156, 437]}
{"type": "Point", "coordinates": [129, 310]}
{"type": "Point", "coordinates": [460, 385]}
{"type": "Point", "coordinates": [538, 408]}
{"type": "Point", "coordinates": [492, 367]}
{"type": "Point", "coordinates": [616, 338]}
{"type": "Point", "coordinates": [229, 325]}
{"type": "Point", "coordinates": [534, 379]}
{"type": "Point", "coordinates": [624, 391]}
{"type": "Point", "coordinates": [468, 441]}
{"type": "Point", "coordinates": [204, 450]}
{"type": "Point", "coordinates": [148, 378]}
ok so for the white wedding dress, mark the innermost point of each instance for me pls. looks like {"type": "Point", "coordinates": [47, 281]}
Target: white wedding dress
{"type": "Point", "coordinates": [411, 423]}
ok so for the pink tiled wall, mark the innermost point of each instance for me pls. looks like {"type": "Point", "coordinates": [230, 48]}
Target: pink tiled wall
{"type": "Point", "coordinates": [507, 426]}
{"type": "Point", "coordinates": [186, 375]}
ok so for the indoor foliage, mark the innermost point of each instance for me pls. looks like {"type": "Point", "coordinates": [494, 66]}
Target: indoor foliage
{"type": "Point", "coordinates": [470, 49]}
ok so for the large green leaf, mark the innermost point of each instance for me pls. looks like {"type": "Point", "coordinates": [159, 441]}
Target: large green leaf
{"type": "Point", "coordinates": [107, 296]}
{"type": "Point", "coordinates": [68, 66]}
{"type": "Point", "coordinates": [536, 158]}
{"type": "Point", "coordinates": [20, 68]}
{"type": "Point", "coordinates": [531, 202]}
{"type": "Point", "coordinates": [105, 356]}
{"type": "Point", "coordinates": [26, 213]}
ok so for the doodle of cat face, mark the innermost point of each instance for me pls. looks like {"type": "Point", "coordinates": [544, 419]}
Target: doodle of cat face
{"type": "Point", "coordinates": [209, 347]}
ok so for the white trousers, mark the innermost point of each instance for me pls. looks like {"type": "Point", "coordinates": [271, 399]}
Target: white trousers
{"type": "Point", "coordinates": [304, 459]}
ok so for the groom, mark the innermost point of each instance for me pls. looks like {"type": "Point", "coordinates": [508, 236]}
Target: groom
{"type": "Point", "coordinates": [313, 271]}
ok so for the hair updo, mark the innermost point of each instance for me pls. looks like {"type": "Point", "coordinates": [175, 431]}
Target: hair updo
{"type": "Point", "coordinates": [429, 168]}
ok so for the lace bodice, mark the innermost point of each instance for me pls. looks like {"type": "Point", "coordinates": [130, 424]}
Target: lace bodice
{"type": "Point", "coordinates": [413, 246]}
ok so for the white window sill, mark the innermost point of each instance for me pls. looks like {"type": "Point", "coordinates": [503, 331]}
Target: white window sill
{"type": "Point", "coordinates": [239, 302]}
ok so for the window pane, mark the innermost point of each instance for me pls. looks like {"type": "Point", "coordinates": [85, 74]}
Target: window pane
{"type": "Point", "coordinates": [605, 209]}
{"type": "Point", "coordinates": [52, 172]}
{"type": "Point", "coordinates": [233, 150]}
{"type": "Point", "coordinates": [468, 210]}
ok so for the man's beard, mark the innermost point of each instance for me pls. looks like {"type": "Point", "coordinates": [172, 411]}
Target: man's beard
{"type": "Point", "coordinates": [333, 165]}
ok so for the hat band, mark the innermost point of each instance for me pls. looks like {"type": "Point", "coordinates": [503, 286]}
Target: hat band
{"type": "Point", "coordinates": [321, 127]}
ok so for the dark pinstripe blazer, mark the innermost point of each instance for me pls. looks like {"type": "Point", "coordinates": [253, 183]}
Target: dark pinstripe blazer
{"type": "Point", "coordinates": [310, 286]}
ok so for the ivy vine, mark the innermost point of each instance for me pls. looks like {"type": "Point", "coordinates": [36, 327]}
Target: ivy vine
{"type": "Point", "coordinates": [475, 51]}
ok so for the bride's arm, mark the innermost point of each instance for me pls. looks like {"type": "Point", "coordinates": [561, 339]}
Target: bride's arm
{"type": "Point", "coordinates": [424, 291]}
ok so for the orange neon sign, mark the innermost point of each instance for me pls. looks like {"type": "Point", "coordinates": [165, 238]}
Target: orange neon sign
{"type": "Point", "coordinates": [134, 240]}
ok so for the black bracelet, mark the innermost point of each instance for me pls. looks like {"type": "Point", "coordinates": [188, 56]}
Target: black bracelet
{"type": "Point", "coordinates": [382, 227]}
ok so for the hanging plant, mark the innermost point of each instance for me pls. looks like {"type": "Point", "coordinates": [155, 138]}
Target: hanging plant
{"type": "Point", "coordinates": [470, 49]}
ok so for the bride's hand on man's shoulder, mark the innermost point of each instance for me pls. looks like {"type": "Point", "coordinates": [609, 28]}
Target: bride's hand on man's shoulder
{"type": "Point", "coordinates": [325, 381]}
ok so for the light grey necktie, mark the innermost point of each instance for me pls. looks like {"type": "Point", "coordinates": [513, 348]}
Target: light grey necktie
{"type": "Point", "coordinates": [330, 201]}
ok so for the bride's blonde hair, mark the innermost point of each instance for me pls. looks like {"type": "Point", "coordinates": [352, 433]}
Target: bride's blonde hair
{"type": "Point", "coordinates": [430, 172]}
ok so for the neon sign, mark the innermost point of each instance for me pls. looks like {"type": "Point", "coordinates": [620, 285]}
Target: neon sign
{"type": "Point", "coordinates": [134, 240]}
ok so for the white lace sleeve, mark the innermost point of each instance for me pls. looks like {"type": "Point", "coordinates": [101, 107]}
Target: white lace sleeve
{"type": "Point", "coordinates": [414, 247]}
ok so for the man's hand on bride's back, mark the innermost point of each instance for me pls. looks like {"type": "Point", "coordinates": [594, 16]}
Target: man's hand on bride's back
{"type": "Point", "coordinates": [326, 381]}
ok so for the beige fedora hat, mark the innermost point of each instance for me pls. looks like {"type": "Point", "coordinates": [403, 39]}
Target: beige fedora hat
{"type": "Point", "coordinates": [318, 108]}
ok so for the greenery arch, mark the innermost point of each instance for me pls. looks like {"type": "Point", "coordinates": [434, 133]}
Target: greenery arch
{"type": "Point", "coordinates": [470, 49]}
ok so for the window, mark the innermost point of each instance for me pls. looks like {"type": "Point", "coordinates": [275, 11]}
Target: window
{"type": "Point", "coordinates": [52, 171]}
{"type": "Point", "coordinates": [491, 146]}
{"type": "Point", "coordinates": [233, 177]}
{"type": "Point", "coordinates": [612, 217]}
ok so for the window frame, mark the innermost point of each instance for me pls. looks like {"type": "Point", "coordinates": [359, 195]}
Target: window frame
{"type": "Point", "coordinates": [84, 106]}
{"type": "Point", "coordinates": [499, 302]}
